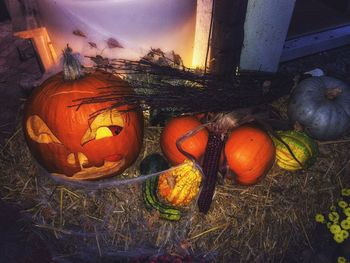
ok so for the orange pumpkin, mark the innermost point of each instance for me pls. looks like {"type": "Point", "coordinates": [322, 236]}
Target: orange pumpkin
{"type": "Point", "coordinates": [250, 154]}
{"type": "Point", "coordinates": [68, 142]}
{"type": "Point", "coordinates": [173, 130]}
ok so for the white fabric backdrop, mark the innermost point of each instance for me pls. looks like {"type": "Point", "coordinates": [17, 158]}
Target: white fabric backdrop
{"type": "Point", "coordinates": [138, 25]}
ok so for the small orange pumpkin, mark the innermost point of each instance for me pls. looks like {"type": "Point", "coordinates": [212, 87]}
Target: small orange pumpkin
{"type": "Point", "coordinates": [68, 142]}
{"type": "Point", "coordinates": [173, 130]}
{"type": "Point", "coordinates": [250, 154]}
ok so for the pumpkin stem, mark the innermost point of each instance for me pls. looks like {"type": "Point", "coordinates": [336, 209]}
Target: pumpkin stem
{"type": "Point", "coordinates": [72, 69]}
{"type": "Point", "coordinates": [333, 93]}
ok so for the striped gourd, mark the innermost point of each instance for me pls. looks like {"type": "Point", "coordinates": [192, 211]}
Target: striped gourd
{"type": "Point", "coordinates": [305, 150]}
{"type": "Point", "coordinates": [150, 198]}
{"type": "Point", "coordinates": [152, 164]}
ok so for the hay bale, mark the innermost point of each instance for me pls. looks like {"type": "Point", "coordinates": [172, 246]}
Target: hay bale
{"type": "Point", "coordinates": [269, 221]}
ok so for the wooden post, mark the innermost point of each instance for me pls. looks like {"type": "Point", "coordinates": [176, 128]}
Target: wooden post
{"type": "Point", "coordinates": [265, 30]}
{"type": "Point", "coordinates": [227, 36]}
{"type": "Point", "coordinates": [26, 24]}
{"type": "Point", "coordinates": [202, 33]}
{"type": "Point", "coordinates": [42, 44]}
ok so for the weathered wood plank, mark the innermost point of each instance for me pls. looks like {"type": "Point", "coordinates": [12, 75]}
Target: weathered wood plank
{"type": "Point", "coordinates": [42, 44]}
{"type": "Point", "coordinates": [227, 36]}
{"type": "Point", "coordinates": [26, 24]}
{"type": "Point", "coordinates": [202, 33]}
{"type": "Point", "coordinates": [265, 32]}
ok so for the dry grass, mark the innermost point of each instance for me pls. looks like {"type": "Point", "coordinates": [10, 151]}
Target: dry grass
{"type": "Point", "coordinates": [267, 222]}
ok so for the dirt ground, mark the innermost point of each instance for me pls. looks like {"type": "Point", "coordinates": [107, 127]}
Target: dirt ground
{"type": "Point", "coordinates": [19, 71]}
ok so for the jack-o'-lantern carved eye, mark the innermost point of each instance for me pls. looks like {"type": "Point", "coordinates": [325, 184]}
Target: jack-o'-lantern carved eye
{"type": "Point", "coordinates": [39, 132]}
{"type": "Point", "coordinates": [106, 124]}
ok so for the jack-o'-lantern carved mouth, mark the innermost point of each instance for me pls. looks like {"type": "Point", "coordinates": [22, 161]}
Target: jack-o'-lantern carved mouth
{"type": "Point", "coordinates": [89, 172]}
{"type": "Point", "coordinates": [107, 124]}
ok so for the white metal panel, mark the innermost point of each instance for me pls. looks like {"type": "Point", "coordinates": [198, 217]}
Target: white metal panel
{"type": "Point", "coordinates": [316, 42]}
{"type": "Point", "coordinates": [265, 32]}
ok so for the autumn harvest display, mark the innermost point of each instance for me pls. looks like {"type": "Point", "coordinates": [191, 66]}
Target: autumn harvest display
{"type": "Point", "coordinates": [249, 151]}
{"type": "Point", "coordinates": [90, 144]}
{"type": "Point", "coordinates": [175, 131]}
{"type": "Point", "coordinates": [87, 143]}
{"type": "Point", "coordinates": [203, 152]}
{"type": "Point", "coordinates": [96, 140]}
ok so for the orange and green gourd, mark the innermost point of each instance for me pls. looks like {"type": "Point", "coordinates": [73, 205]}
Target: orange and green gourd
{"type": "Point", "coordinates": [304, 148]}
{"type": "Point", "coordinates": [180, 185]}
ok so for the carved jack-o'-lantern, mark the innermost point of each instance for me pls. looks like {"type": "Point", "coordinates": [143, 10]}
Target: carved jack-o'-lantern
{"type": "Point", "coordinates": [68, 141]}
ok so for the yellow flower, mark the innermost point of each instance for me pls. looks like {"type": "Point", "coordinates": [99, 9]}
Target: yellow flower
{"type": "Point", "coordinates": [345, 192]}
{"type": "Point", "coordinates": [329, 224]}
{"type": "Point", "coordinates": [347, 211]}
{"type": "Point", "coordinates": [341, 260]}
{"type": "Point", "coordinates": [320, 218]}
{"type": "Point", "coordinates": [345, 224]}
{"type": "Point", "coordinates": [333, 216]}
{"type": "Point", "coordinates": [335, 229]}
{"type": "Point", "coordinates": [332, 208]}
{"type": "Point", "coordinates": [342, 204]}
{"type": "Point", "coordinates": [345, 234]}
{"type": "Point", "coordinates": [338, 238]}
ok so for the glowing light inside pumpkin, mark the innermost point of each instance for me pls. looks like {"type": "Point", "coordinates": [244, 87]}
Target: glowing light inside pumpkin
{"type": "Point", "coordinates": [99, 128]}
{"type": "Point", "coordinates": [103, 132]}
{"type": "Point", "coordinates": [83, 160]}
{"type": "Point", "coordinates": [39, 132]}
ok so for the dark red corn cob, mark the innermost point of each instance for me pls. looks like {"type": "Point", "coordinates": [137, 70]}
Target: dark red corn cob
{"type": "Point", "coordinates": [216, 141]}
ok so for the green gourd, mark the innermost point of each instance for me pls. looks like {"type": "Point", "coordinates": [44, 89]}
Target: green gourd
{"type": "Point", "coordinates": [152, 164]}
